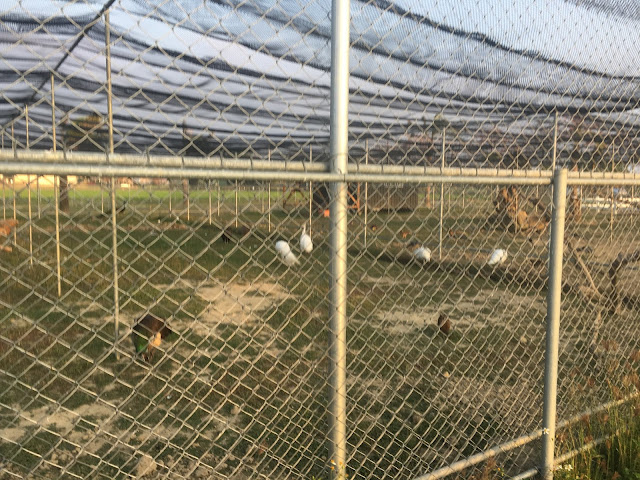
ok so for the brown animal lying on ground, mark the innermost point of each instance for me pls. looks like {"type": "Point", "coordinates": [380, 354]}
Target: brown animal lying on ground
{"type": "Point", "coordinates": [510, 214]}
{"type": "Point", "coordinates": [6, 226]}
{"type": "Point", "coordinates": [458, 234]}
{"type": "Point", "coordinates": [5, 230]}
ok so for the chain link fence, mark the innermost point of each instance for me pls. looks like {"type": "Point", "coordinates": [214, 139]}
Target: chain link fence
{"type": "Point", "coordinates": [481, 236]}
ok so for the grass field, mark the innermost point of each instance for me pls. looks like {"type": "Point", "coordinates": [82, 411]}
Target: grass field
{"type": "Point", "coordinates": [243, 389]}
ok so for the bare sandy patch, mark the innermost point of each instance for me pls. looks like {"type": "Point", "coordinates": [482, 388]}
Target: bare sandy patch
{"type": "Point", "coordinates": [61, 421]}
{"type": "Point", "coordinates": [92, 426]}
{"type": "Point", "coordinates": [486, 307]}
{"type": "Point", "coordinates": [239, 304]}
{"type": "Point", "coordinates": [384, 281]}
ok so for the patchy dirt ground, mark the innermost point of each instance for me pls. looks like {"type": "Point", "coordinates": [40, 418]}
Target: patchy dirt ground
{"type": "Point", "coordinates": [485, 308]}
{"type": "Point", "coordinates": [234, 303]}
{"type": "Point", "coordinates": [238, 303]}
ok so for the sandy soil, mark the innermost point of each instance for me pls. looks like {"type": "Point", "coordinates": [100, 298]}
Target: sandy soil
{"type": "Point", "coordinates": [502, 307]}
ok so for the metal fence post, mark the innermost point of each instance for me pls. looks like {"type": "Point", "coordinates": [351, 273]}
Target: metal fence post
{"type": "Point", "coordinates": [339, 121]}
{"type": "Point", "coordinates": [553, 321]}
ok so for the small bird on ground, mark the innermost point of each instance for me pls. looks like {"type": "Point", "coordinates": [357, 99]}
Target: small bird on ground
{"type": "Point", "coordinates": [234, 234]}
{"type": "Point", "coordinates": [148, 333]}
{"type": "Point", "coordinates": [458, 234]}
{"type": "Point", "coordinates": [444, 323]}
{"type": "Point", "coordinates": [285, 253]}
{"type": "Point", "coordinates": [120, 209]}
{"type": "Point", "coordinates": [497, 257]}
{"type": "Point", "coordinates": [306, 244]}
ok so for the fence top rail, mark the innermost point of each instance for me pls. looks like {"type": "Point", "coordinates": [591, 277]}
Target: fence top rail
{"type": "Point", "coordinates": [220, 162]}
{"type": "Point", "coordinates": [101, 170]}
{"type": "Point", "coordinates": [88, 163]}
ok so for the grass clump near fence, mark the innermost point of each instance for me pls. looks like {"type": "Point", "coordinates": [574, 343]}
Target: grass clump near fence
{"type": "Point", "coordinates": [614, 437]}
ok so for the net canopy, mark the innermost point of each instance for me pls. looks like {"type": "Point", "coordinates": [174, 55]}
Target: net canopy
{"type": "Point", "coordinates": [238, 75]}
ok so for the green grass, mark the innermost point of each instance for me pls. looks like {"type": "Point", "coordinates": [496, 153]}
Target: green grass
{"type": "Point", "coordinates": [615, 458]}
{"type": "Point", "coordinates": [246, 395]}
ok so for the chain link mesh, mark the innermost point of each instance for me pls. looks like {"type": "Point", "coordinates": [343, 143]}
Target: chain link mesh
{"type": "Point", "coordinates": [447, 282]}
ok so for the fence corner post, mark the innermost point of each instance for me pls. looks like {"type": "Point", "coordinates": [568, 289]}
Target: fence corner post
{"type": "Point", "coordinates": [556, 244]}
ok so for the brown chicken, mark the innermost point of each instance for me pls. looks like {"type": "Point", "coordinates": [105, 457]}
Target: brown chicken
{"type": "Point", "coordinates": [6, 226]}
{"type": "Point", "coordinates": [5, 230]}
{"type": "Point", "coordinates": [444, 323]}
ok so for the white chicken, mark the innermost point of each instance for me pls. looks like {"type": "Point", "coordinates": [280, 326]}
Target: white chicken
{"type": "Point", "coordinates": [306, 244]}
{"type": "Point", "coordinates": [422, 254]}
{"type": "Point", "coordinates": [419, 252]}
{"type": "Point", "coordinates": [497, 257]}
{"type": "Point", "coordinates": [284, 251]}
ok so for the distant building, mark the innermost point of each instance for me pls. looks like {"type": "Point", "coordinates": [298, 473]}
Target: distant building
{"type": "Point", "coordinates": [45, 181]}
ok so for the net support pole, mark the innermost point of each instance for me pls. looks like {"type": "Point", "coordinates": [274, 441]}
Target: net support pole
{"type": "Point", "coordinates": [30, 220]}
{"type": "Point", "coordinates": [4, 198]}
{"type": "Point", "coordinates": [613, 200]}
{"type": "Point", "coordinates": [186, 196]}
{"type": "Point", "coordinates": [269, 195]}
{"type": "Point", "coordinates": [310, 189]}
{"type": "Point", "coordinates": [30, 215]}
{"type": "Point", "coordinates": [28, 145]}
{"type": "Point", "coordinates": [553, 322]}
{"type": "Point", "coordinates": [26, 126]}
{"type": "Point", "coordinates": [56, 187]}
{"type": "Point", "coordinates": [366, 193]}
{"type": "Point", "coordinates": [56, 194]}
{"type": "Point", "coordinates": [210, 203]}
{"type": "Point", "coordinates": [13, 186]}
{"type": "Point", "coordinates": [114, 225]}
{"type": "Point", "coordinates": [26, 113]}
{"type": "Point", "coordinates": [4, 181]}
{"type": "Point", "coordinates": [262, 193]}
{"type": "Point", "coordinates": [441, 221]}
{"type": "Point", "coordinates": [554, 157]}
{"type": "Point", "coordinates": [339, 122]}
{"type": "Point", "coordinates": [38, 196]}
